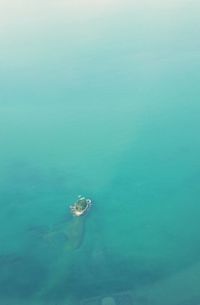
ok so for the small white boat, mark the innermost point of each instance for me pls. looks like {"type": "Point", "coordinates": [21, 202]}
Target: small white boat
{"type": "Point", "coordinates": [81, 206]}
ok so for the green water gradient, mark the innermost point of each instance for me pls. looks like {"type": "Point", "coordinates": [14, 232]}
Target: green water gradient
{"type": "Point", "coordinates": [99, 99]}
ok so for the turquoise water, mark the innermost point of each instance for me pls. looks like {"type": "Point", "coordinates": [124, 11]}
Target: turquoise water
{"type": "Point", "coordinates": [99, 99]}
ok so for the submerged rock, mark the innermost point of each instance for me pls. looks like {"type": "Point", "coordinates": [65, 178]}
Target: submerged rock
{"type": "Point", "coordinates": [108, 301]}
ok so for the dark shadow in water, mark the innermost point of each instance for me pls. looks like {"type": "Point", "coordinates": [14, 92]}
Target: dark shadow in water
{"type": "Point", "coordinates": [23, 275]}
{"type": "Point", "coordinates": [20, 276]}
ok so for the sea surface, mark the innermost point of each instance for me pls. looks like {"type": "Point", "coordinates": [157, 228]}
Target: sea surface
{"type": "Point", "coordinates": [100, 99]}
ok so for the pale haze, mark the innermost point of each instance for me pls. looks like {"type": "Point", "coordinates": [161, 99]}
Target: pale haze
{"type": "Point", "coordinates": [99, 98]}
